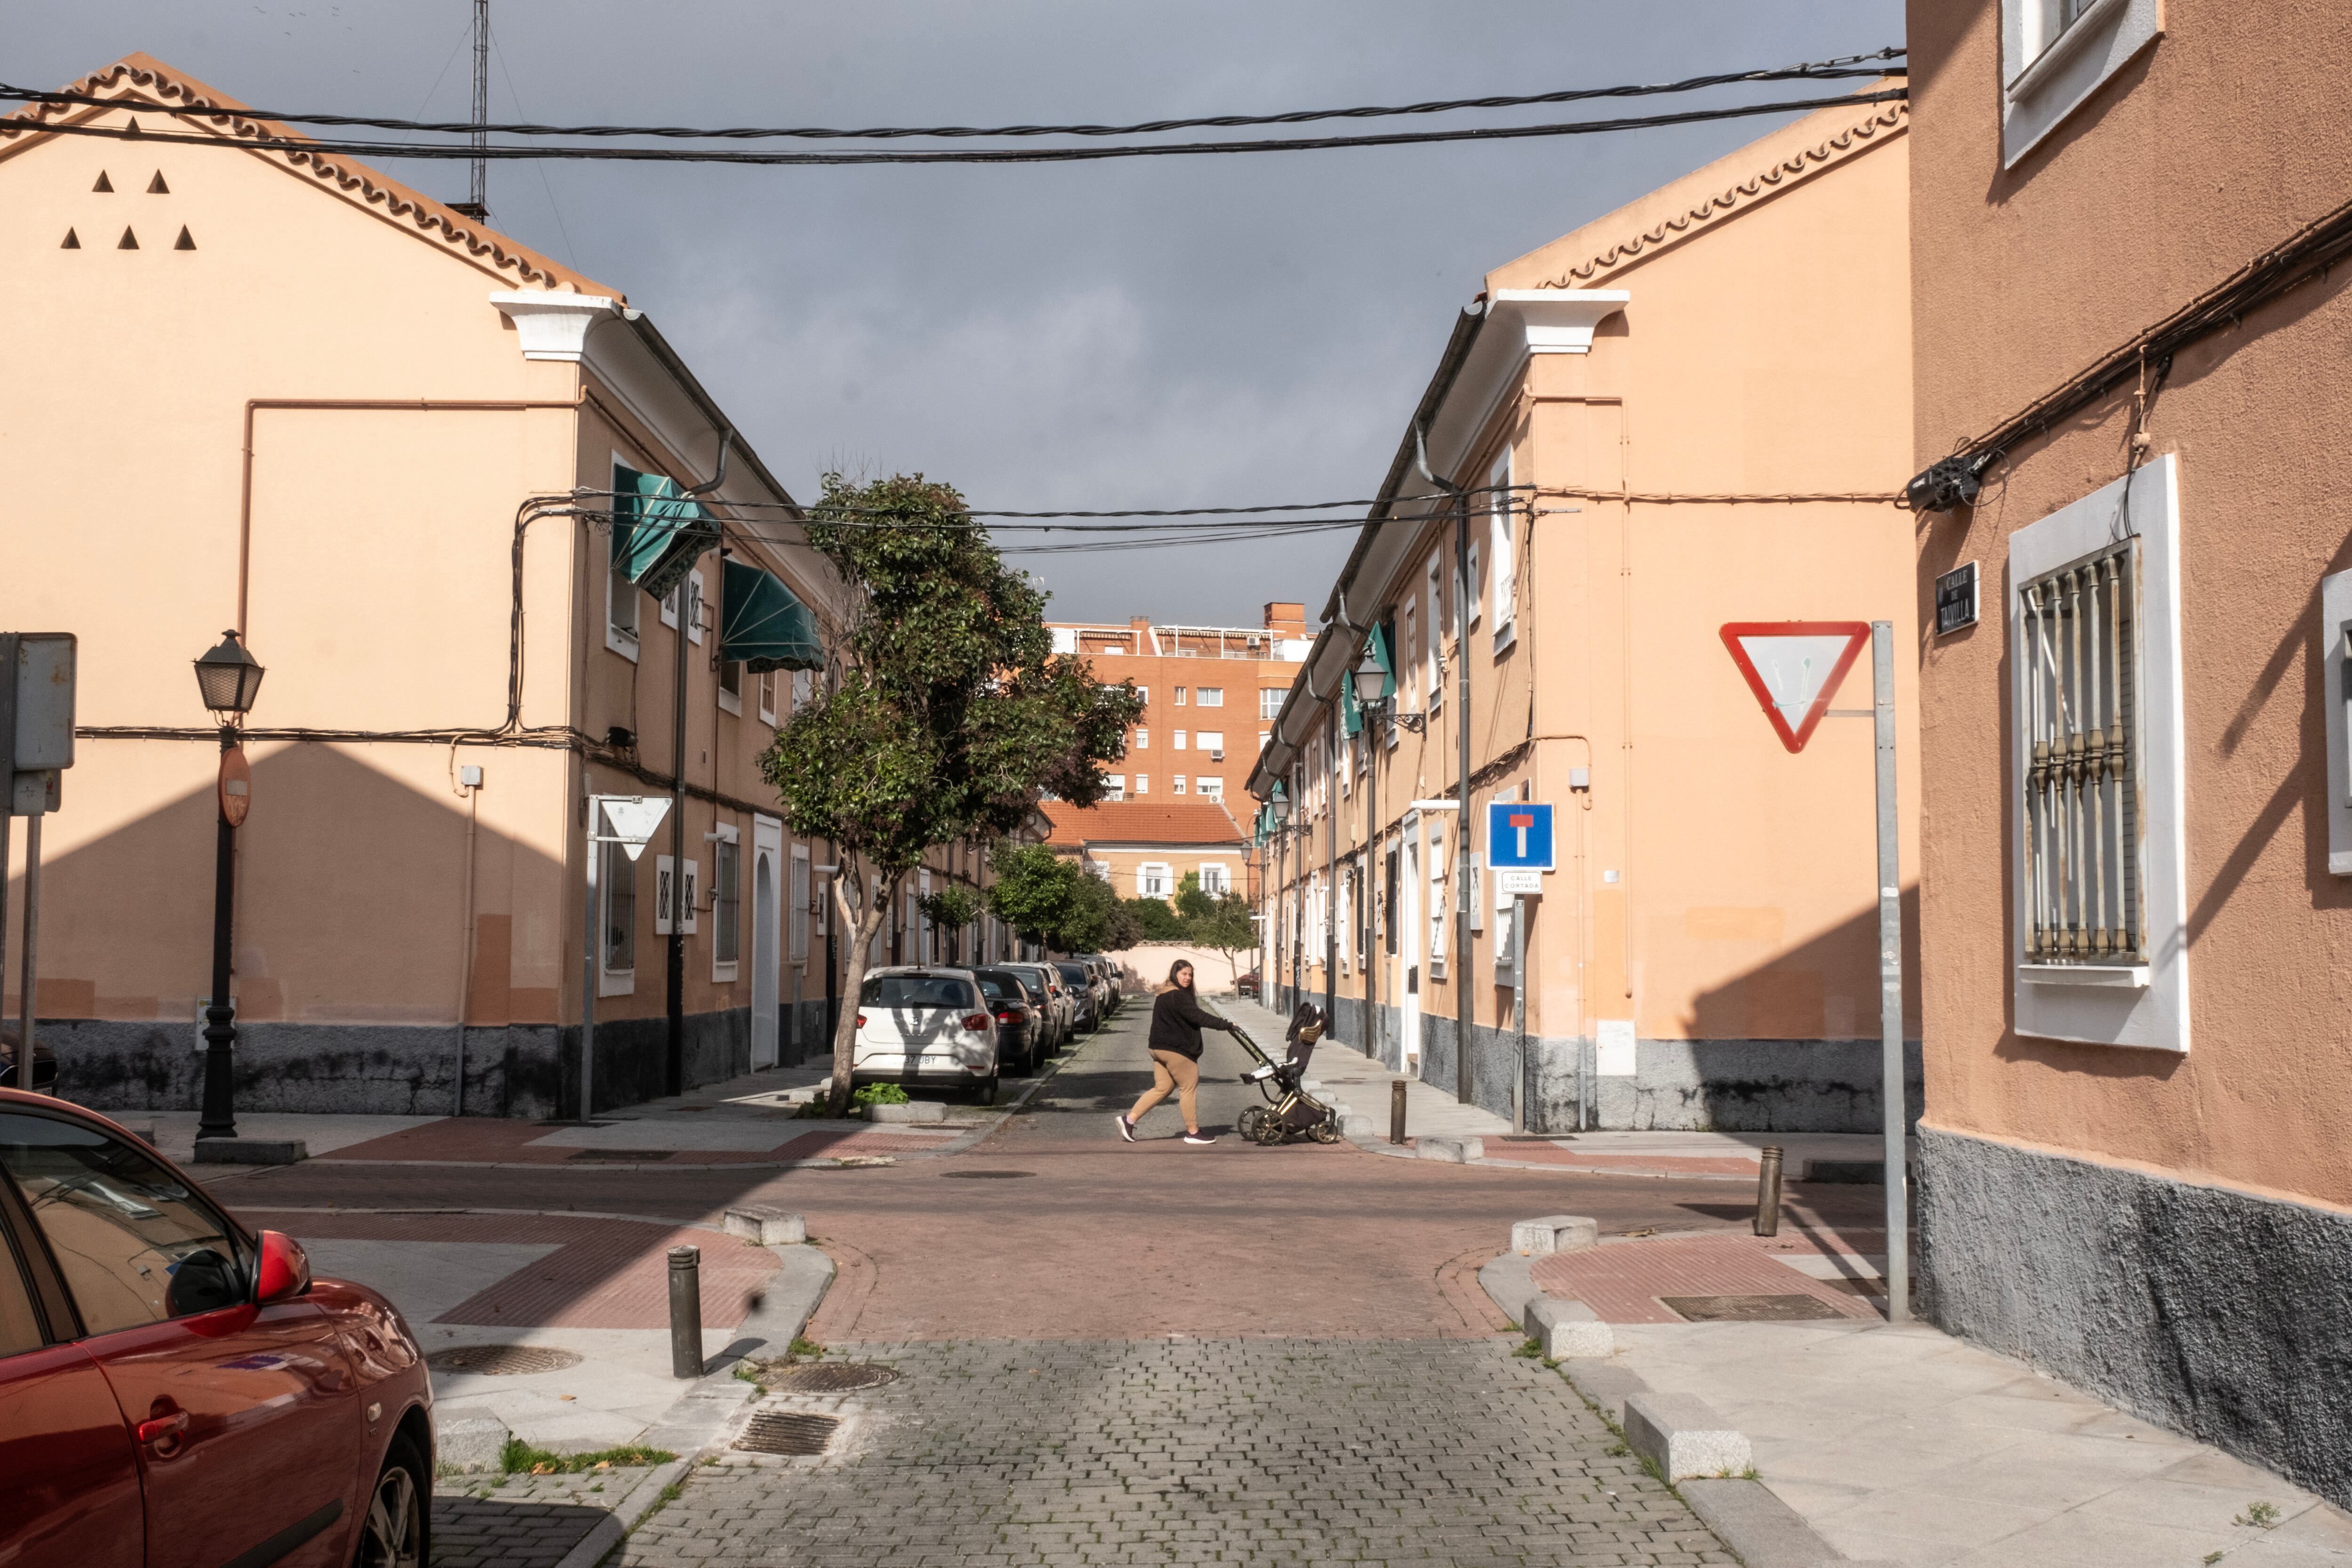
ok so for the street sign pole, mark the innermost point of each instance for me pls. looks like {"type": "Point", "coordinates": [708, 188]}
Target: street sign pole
{"type": "Point", "coordinates": [1890, 979]}
{"type": "Point", "coordinates": [1520, 1009]}
{"type": "Point", "coordinates": [589, 921]}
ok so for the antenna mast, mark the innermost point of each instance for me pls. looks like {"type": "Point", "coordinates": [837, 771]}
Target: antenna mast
{"type": "Point", "coordinates": [476, 203]}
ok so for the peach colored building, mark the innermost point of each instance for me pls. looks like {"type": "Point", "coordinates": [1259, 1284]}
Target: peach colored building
{"type": "Point", "coordinates": [1145, 849]}
{"type": "Point", "coordinates": [1209, 694]}
{"type": "Point", "coordinates": [1691, 412]}
{"type": "Point", "coordinates": [2138, 806]}
{"type": "Point", "coordinates": [280, 392]}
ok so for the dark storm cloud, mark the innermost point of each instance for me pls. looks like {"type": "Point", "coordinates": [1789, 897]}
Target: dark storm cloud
{"type": "Point", "coordinates": [1147, 334]}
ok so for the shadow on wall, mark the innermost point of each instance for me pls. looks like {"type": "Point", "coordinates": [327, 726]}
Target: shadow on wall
{"type": "Point", "coordinates": [351, 912]}
{"type": "Point", "coordinates": [1793, 1043]}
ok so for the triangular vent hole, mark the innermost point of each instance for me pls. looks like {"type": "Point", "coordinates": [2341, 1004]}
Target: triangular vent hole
{"type": "Point", "coordinates": [103, 183]}
{"type": "Point", "coordinates": [73, 241]}
{"type": "Point", "coordinates": [185, 242]}
{"type": "Point", "coordinates": [130, 241]}
{"type": "Point", "coordinates": [156, 187]}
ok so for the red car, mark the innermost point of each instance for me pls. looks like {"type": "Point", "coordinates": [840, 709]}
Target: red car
{"type": "Point", "coordinates": [176, 1390]}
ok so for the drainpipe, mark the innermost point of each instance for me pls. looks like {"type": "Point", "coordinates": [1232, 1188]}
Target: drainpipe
{"type": "Point", "coordinates": [1373, 879]}
{"type": "Point", "coordinates": [674, 1056]}
{"type": "Point", "coordinates": [1331, 849]}
{"type": "Point", "coordinates": [1463, 966]}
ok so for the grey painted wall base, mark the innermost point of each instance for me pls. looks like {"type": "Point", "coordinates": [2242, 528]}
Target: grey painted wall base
{"type": "Point", "coordinates": [2216, 1313]}
{"type": "Point", "coordinates": [530, 1070]}
{"type": "Point", "coordinates": [1729, 1086]}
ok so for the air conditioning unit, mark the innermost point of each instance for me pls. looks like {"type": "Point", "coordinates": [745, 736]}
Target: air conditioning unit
{"type": "Point", "coordinates": [1258, 642]}
{"type": "Point", "coordinates": [1216, 756]}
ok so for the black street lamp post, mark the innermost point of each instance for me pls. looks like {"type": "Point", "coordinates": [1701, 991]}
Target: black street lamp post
{"type": "Point", "coordinates": [229, 679]}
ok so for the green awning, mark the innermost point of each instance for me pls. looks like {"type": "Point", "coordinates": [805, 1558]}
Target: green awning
{"type": "Point", "coordinates": [763, 625]}
{"type": "Point", "coordinates": [657, 533]}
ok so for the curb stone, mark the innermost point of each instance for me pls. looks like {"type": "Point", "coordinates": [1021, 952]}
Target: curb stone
{"type": "Point", "coordinates": [1766, 1532]}
{"type": "Point", "coordinates": [615, 1526]}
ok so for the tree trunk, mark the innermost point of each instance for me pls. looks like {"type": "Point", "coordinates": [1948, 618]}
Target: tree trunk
{"type": "Point", "coordinates": [863, 926]}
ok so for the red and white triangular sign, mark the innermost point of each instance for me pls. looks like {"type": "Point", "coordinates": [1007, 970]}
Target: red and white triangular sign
{"type": "Point", "coordinates": [632, 818]}
{"type": "Point", "coordinates": [1794, 667]}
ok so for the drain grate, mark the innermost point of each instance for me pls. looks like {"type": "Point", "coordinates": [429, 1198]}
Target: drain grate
{"type": "Point", "coordinates": [787, 1433]}
{"type": "Point", "coordinates": [827, 1377]}
{"type": "Point", "coordinates": [983, 1175]}
{"type": "Point", "coordinates": [632, 1156]}
{"type": "Point", "coordinates": [501, 1361]}
{"type": "Point", "coordinates": [1748, 1309]}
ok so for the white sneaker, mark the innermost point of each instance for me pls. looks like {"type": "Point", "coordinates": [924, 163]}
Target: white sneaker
{"type": "Point", "coordinates": [1126, 1128]}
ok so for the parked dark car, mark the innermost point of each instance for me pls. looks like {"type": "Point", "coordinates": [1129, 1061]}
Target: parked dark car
{"type": "Point", "coordinates": [177, 1389]}
{"type": "Point", "coordinates": [1083, 989]}
{"type": "Point", "coordinates": [1247, 985]}
{"type": "Point", "coordinates": [1020, 1029]}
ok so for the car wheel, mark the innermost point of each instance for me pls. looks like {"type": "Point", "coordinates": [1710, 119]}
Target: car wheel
{"type": "Point", "coordinates": [986, 1093]}
{"type": "Point", "coordinates": [391, 1533]}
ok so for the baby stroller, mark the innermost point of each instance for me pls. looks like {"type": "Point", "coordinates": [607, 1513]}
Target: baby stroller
{"type": "Point", "coordinates": [1290, 1111]}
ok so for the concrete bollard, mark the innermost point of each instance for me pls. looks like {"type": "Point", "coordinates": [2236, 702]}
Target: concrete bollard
{"type": "Point", "coordinates": [1555, 1233]}
{"type": "Point", "coordinates": [1396, 1110]}
{"type": "Point", "coordinates": [1767, 1192]}
{"type": "Point", "coordinates": [1452, 1151]}
{"type": "Point", "coordinates": [686, 1312]}
{"type": "Point", "coordinates": [768, 1226]}
{"type": "Point", "coordinates": [1683, 1436]}
{"type": "Point", "coordinates": [1565, 1328]}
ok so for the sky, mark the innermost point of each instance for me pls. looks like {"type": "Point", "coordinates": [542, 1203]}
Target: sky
{"type": "Point", "coordinates": [1227, 331]}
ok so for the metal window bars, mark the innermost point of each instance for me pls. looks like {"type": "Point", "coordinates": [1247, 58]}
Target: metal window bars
{"type": "Point", "coordinates": [2083, 874]}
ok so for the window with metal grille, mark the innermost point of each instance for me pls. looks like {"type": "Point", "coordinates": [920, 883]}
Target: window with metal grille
{"type": "Point", "coordinates": [725, 859]}
{"type": "Point", "coordinates": [2082, 823]}
{"type": "Point", "coordinates": [617, 881]}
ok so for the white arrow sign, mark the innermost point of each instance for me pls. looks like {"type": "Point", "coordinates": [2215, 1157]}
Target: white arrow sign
{"type": "Point", "coordinates": [632, 818]}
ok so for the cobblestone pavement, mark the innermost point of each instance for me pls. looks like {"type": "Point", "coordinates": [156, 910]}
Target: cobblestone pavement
{"type": "Point", "coordinates": [1180, 1451]}
{"type": "Point", "coordinates": [520, 1522]}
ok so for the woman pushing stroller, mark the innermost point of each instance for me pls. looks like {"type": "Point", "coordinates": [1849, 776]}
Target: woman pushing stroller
{"type": "Point", "coordinates": [1177, 1020]}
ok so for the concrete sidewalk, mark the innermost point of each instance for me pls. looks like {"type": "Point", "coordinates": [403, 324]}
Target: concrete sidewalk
{"type": "Point", "coordinates": [1900, 1444]}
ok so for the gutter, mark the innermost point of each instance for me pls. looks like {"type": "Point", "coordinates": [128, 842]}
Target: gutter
{"type": "Point", "coordinates": [666, 357]}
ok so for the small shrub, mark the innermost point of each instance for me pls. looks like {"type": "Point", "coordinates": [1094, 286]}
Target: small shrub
{"type": "Point", "coordinates": [879, 1094]}
{"type": "Point", "coordinates": [2260, 1515]}
{"type": "Point", "coordinates": [518, 1457]}
{"type": "Point", "coordinates": [805, 1346]}
{"type": "Point", "coordinates": [1531, 1350]}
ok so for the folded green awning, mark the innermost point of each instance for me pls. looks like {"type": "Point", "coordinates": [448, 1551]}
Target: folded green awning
{"type": "Point", "coordinates": [657, 533]}
{"type": "Point", "coordinates": [763, 625]}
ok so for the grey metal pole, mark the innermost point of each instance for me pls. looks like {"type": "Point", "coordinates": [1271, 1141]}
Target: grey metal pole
{"type": "Point", "coordinates": [686, 1312]}
{"type": "Point", "coordinates": [1331, 875]}
{"type": "Point", "coordinates": [1520, 1009]}
{"type": "Point", "coordinates": [1464, 979]}
{"type": "Point", "coordinates": [1890, 979]}
{"type": "Point", "coordinates": [674, 1053]}
{"type": "Point", "coordinates": [26, 1074]}
{"type": "Point", "coordinates": [588, 924]}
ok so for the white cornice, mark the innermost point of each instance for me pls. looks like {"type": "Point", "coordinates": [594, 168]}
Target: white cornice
{"type": "Point", "coordinates": [1556, 320]}
{"type": "Point", "coordinates": [553, 324]}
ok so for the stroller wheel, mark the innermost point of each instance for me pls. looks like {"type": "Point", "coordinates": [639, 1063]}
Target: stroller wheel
{"type": "Point", "coordinates": [1324, 1132]}
{"type": "Point", "coordinates": [1269, 1132]}
{"type": "Point", "coordinates": [1250, 1118]}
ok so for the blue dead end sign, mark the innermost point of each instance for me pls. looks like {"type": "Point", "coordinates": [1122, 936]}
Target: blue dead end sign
{"type": "Point", "coordinates": [1519, 836]}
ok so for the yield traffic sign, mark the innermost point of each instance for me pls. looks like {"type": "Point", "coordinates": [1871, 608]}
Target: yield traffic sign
{"type": "Point", "coordinates": [1794, 667]}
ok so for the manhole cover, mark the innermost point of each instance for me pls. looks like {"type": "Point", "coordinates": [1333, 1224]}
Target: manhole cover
{"type": "Point", "coordinates": [632, 1156]}
{"type": "Point", "coordinates": [784, 1431]}
{"type": "Point", "coordinates": [501, 1361]}
{"type": "Point", "coordinates": [827, 1377]}
{"type": "Point", "coordinates": [1748, 1309]}
{"type": "Point", "coordinates": [983, 1175]}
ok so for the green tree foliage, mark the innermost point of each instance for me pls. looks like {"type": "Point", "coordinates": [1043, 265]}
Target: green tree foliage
{"type": "Point", "coordinates": [1154, 920]}
{"type": "Point", "coordinates": [949, 910]}
{"type": "Point", "coordinates": [1218, 921]}
{"type": "Point", "coordinates": [1049, 898]}
{"type": "Point", "coordinates": [946, 710]}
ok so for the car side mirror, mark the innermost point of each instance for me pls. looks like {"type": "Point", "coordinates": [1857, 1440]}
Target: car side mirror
{"type": "Point", "coordinates": [284, 1271]}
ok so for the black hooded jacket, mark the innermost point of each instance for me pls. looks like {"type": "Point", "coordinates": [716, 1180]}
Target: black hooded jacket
{"type": "Point", "coordinates": [1177, 1020]}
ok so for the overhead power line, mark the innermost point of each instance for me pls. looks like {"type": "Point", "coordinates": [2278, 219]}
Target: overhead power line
{"type": "Point", "coordinates": [1845, 66]}
{"type": "Point", "coordinates": [510, 152]}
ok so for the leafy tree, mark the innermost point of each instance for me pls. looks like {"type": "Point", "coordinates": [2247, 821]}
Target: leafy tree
{"type": "Point", "coordinates": [948, 712]}
{"type": "Point", "coordinates": [1098, 921]}
{"type": "Point", "coordinates": [1034, 891]}
{"type": "Point", "coordinates": [949, 910]}
{"type": "Point", "coordinates": [1218, 921]}
{"type": "Point", "coordinates": [1154, 920]}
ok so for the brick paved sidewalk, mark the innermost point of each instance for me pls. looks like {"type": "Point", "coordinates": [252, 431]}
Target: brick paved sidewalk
{"type": "Point", "coordinates": [1249, 1451]}
{"type": "Point", "coordinates": [521, 1521]}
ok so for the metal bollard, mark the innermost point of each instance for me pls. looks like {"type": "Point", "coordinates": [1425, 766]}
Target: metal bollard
{"type": "Point", "coordinates": [686, 1312]}
{"type": "Point", "coordinates": [1767, 1192]}
{"type": "Point", "coordinates": [1396, 1110]}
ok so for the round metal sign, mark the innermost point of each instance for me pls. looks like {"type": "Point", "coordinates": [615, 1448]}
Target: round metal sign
{"type": "Point", "coordinates": [236, 787]}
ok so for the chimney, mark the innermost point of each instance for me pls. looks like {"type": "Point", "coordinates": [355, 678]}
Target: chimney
{"type": "Point", "coordinates": [1286, 619]}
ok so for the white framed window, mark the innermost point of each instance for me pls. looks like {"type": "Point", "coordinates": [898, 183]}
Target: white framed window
{"type": "Point", "coordinates": [1143, 783]}
{"type": "Point", "coordinates": [1263, 737]}
{"type": "Point", "coordinates": [1269, 702]}
{"type": "Point", "coordinates": [1409, 656]}
{"type": "Point", "coordinates": [2098, 860]}
{"type": "Point", "coordinates": [669, 606]}
{"type": "Point", "coordinates": [1470, 594]}
{"type": "Point", "coordinates": [1179, 697]}
{"type": "Point", "coordinates": [621, 603]}
{"type": "Point", "coordinates": [1176, 784]}
{"type": "Point", "coordinates": [798, 902]}
{"type": "Point", "coordinates": [1209, 697]}
{"type": "Point", "coordinates": [1216, 878]}
{"type": "Point", "coordinates": [672, 892]}
{"type": "Point", "coordinates": [694, 607]}
{"type": "Point", "coordinates": [1143, 738]}
{"type": "Point", "coordinates": [803, 681]}
{"type": "Point", "coordinates": [730, 685]}
{"type": "Point", "coordinates": [1143, 694]}
{"type": "Point", "coordinates": [1115, 787]}
{"type": "Point", "coordinates": [726, 905]}
{"type": "Point", "coordinates": [1434, 660]}
{"type": "Point", "coordinates": [2054, 53]}
{"type": "Point", "coordinates": [1499, 545]}
{"type": "Point", "coordinates": [767, 698]}
{"type": "Point", "coordinates": [1211, 787]}
{"type": "Point", "coordinates": [616, 914]}
{"type": "Point", "coordinates": [1210, 740]}
{"type": "Point", "coordinates": [1179, 742]}
{"type": "Point", "coordinates": [1155, 880]}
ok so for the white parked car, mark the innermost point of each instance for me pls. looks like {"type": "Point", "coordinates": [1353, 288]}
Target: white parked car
{"type": "Point", "coordinates": [926, 1025]}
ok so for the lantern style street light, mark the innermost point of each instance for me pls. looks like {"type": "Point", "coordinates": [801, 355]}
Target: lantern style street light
{"type": "Point", "coordinates": [1369, 678]}
{"type": "Point", "coordinates": [228, 679]}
